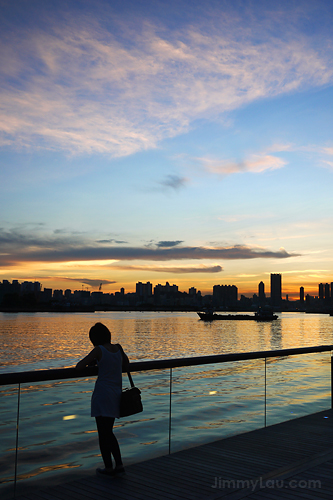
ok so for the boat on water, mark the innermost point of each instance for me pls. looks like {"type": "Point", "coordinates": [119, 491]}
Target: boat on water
{"type": "Point", "coordinates": [260, 315]}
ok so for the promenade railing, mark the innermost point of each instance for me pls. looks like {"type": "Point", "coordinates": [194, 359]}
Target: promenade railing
{"type": "Point", "coordinates": [182, 386]}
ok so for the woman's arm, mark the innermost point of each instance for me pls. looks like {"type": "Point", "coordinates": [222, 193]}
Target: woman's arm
{"type": "Point", "coordinates": [89, 359]}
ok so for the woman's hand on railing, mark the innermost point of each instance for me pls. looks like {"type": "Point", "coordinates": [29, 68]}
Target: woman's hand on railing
{"type": "Point", "coordinates": [89, 359]}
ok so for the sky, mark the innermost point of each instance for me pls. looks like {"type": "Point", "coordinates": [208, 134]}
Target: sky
{"type": "Point", "coordinates": [180, 141]}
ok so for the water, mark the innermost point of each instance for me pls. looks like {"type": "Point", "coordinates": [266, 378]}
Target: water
{"type": "Point", "coordinates": [53, 340]}
{"type": "Point", "coordinates": [58, 438]}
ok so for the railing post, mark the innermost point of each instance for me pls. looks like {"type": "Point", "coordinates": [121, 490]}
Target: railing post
{"type": "Point", "coordinates": [170, 411]}
{"type": "Point", "coordinates": [332, 379]}
{"type": "Point", "coordinates": [17, 436]}
{"type": "Point", "coordinates": [265, 389]}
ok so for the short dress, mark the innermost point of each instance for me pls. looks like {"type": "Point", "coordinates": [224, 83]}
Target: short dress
{"type": "Point", "coordinates": [105, 400]}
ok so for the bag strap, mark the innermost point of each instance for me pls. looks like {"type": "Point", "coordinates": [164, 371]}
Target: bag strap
{"type": "Point", "coordinates": [128, 372]}
{"type": "Point", "coordinates": [130, 379]}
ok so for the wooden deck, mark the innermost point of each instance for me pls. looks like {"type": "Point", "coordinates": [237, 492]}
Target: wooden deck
{"type": "Point", "coordinates": [291, 460]}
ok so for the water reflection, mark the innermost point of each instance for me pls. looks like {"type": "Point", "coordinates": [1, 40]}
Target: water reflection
{"type": "Point", "coordinates": [45, 340]}
{"type": "Point", "coordinates": [208, 402]}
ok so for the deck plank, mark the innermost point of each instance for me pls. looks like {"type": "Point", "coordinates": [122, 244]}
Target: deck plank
{"type": "Point", "coordinates": [297, 450]}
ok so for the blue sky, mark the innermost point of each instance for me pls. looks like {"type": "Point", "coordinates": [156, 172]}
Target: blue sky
{"type": "Point", "coordinates": [158, 141]}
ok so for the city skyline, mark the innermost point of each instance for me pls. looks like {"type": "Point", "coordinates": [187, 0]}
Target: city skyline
{"type": "Point", "coordinates": [275, 291]}
{"type": "Point", "coordinates": [182, 142]}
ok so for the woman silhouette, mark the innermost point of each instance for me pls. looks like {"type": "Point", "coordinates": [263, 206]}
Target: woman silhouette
{"type": "Point", "coordinates": [105, 401]}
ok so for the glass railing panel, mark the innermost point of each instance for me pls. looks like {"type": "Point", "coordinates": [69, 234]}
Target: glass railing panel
{"type": "Point", "coordinates": [58, 439]}
{"type": "Point", "coordinates": [146, 435]}
{"type": "Point", "coordinates": [210, 402]}
{"type": "Point", "coordinates": [297, 386]}
{"type": "Point", "coordinates": [8, 419]}
{"type": "Point", "coordinates": [56, 435]}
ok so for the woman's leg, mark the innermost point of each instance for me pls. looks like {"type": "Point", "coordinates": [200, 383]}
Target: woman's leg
{"type": "Point", "coordinates": [108, 442]}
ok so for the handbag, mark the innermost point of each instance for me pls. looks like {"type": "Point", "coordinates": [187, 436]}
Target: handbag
{"type": "Point", "coordinates": [130, 400]}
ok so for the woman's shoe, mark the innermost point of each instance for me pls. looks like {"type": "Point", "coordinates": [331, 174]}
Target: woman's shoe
{"type": "Point", "coordinates": [104, 472]}
{"type": "Point", "coordinates": [119, 471]}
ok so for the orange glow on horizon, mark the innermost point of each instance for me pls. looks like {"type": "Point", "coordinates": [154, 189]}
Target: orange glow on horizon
{"type": "Point", "coordinates": [128, 280]}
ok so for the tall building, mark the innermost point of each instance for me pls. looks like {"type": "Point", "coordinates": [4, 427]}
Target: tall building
{"type": "Point", "coordinates": [58, 294]}
{"type": "Point", "coordinates": [327, 292]}
{"type": "Point", "coordinates": [144, 290]}
{"type": "Point", "coordinates": [276, 290]}
{"type": "Point", "coordinates": [225, 295]}
{"type": "Point", "coordinates": [261, 292]}
{"type": "Point", "coordinates": [166, 289]}
{"type": "Point", "coordinates": [301, 294]}
{"type": "Point", "coordinates": [30, 287]}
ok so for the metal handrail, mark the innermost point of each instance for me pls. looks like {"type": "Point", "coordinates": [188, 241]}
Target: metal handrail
{"type": "Point", "coordinates": [137, 366]}
{"type": "Point", "coordinates": [160, 364]}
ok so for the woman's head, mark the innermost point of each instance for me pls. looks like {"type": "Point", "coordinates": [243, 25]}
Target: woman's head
{"type": "Point", "coordinates": [99, 334]}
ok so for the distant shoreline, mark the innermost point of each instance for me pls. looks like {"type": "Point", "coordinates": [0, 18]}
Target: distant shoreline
{"type": "Point", "coordinates": [89, 309]}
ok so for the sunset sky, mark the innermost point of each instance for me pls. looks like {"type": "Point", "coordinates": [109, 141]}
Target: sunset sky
{"type": "Point", "coordinates": [179, 141]}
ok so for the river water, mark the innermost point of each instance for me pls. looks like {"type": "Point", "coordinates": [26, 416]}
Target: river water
{"type": "Point", "coordinates": [57, 437]}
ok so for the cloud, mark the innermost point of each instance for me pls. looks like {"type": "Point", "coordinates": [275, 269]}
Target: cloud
{"type": "Point", "coordinates": [328, 151]}
{"type": "Point", "coordinates": [168, 244]}
{"type": "Point", "coordinates": [118, 242]}
{"type": "Point", "coordinates": [323, 154]}
{"type": "Point", "coordinates": [16, 247]}
{"type": "Point", "coordinates": [173, 270]}
{"type": "Point", "coordinates": [66, 231]}
{"type": "Point", "coordinates": [307, 271]}
{"type": "Point", "coordinates": [254, 164]}
{"type": "Point", "coordinates": [173, 182]}
{"type": "Point", "coordinates": [91, 282]}
{"type": "Point", "coordinates": [91, 85]}
{"type": "Point", "coordinates": [17, 239]}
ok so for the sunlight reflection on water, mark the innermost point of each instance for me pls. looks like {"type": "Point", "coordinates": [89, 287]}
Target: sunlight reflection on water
{"type": "Point", "coordinates": [208, 402]}
{"type": "Point", "coordinates": [45, 340]}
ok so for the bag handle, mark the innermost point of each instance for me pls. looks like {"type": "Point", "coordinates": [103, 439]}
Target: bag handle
{"type": "Point", "coordinates": [130, 379]}
{"type": "Point", "coordinates": [128, 372]}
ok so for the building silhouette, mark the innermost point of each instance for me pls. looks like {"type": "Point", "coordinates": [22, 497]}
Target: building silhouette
{"type": "Point", "coordinates": [301, 294]}
{"type": "Point", "coordinates": [225, 295]}
{"type": "Point", "coordinates": [261, 293]}
{"type": "Point", "coordinates": [327, 292]}
{"type": "Point", "coordinates": [276, 290]}
{"type": "Point", "coordinates": [144, 290]}
{"type": "Point", "coordinates": [29, 295]}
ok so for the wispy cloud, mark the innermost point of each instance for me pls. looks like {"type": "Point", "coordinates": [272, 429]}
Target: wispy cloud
{"type": "Point", "coordinates": [77, 87]}
{"type": "Point", "coordinates": [17, 247]}
{"type": "Point", "coordinates": [168, 244]}
{"type": "Point", "coordinates": [172, 270]}
{"type": "Point", "coordinates": [173, 182]}
{"type": "Point", "coordinates": [265, 160]}
{"type": "Point", "coordinates": [306, 271]}
{"type": "Point", "coordinates": [327, 156]}
{"type": "Point", "coordinates": [91, 282]}
{"type": "Point", "coordinates": [254, 164]}
{"type": "Point", "coordinates": [111, 240]}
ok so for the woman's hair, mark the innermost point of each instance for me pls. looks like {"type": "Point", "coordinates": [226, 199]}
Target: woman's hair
{"type": "Point", "coordinates": [99, 334]}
